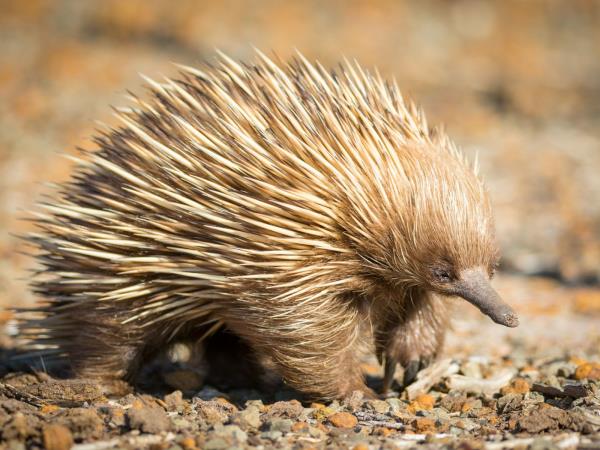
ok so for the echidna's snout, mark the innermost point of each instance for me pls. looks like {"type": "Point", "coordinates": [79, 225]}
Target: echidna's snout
{"type": "Point", "coordinates": [474, 286]}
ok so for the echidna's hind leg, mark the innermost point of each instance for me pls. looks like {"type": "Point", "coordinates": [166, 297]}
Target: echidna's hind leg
{"type": "Point", "coordinates": [102, 348]}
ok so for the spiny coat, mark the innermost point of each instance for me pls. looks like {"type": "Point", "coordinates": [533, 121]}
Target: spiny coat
{"type": "Point", "coordinates": [309, 212]}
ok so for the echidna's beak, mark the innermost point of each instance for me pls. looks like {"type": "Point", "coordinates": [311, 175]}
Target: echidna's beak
{"type": "Point", "coordinates": [474, 286]}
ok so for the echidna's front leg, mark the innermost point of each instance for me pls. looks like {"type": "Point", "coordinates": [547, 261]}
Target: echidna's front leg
{"type": "Point", "coordinates": [313, 342]}
{"type": "Point", "coordinates": [415, 340]}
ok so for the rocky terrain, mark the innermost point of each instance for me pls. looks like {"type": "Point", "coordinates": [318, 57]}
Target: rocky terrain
{"type": "Point", "coordinates": [516, 83]}
{"type": "Point", "coordinates": [537, 386]}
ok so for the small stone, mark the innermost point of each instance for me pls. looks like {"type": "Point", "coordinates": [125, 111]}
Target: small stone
{"type": "Point", "coordinates": [148, 420]}
{"type": "Point", "coordinates": [343, 420]}
{"type": "Point", "coordinates": [471, 404]}
{"type": "Point", "coordinates": [84, 423]}
{"type": "Point", "coordinates": [117, 416]}
{"type": "Point", "coordinates": [57, 437]}
{"type": "Point", "coordinates": [216, 444]}
{"type": "Point", "coordinates": [231, 432]}
{"type": "Point", "coordinates": [271, 435]}
{"type": "Point", "coordinates": [587, 301]}
{"type": "Point", "coordinates": [47, 409]}
{"type": "Point", "coordinates": [299, 427]}
{"type": "Point", "coordinates": [180, 424]}
{"type": "Point", "coordinates": [509, 403]}
{"type": "Point", "coordinates": [379, 406]}
{"type": "Point", "coordinates": [544, 418]}
{"type": "Point", "coordinates": [283, 425]}
{"type": "Point", "coordinates": [16, 427]}
{"type": "Point", "coordinates": [567, 370]}
{"type": "Point", "coordinates": [396, 405]}
{"type": "Point", "coordinates": [316, 432]}
{"type": "Point", "coordinates": [382, 431]}
{"type": "Point", "coordinates": [354, 401]}
{"type": "Point", "coordinates": [424, 425]}
{"type": "Point", "coordinates": [543, 444]}
{"type": "Point", "coordinates": [174, 401]}
{"type": "Point", "coordinates": [256, 403]}
{"type": "Point", "coordinates": [321, 412]}
{"type": "Point", "coordinates": [248, 418]}
{"type": "Point", "coordinates": [188, 443]}
{"type": "Point", "coordinates": [471, 369]}
{"type": "Point", "coordinates": [453, 402]}
{"type": "Point", "coordinates": [590, 371]}
{"type": "Point", "coordinates": [214, 411]}
{"type": "Point", "coordinates": [576, 360]}
{"type": "Point", "coordinates": [15, 445]}
{"type": "Point", "coordinates": [361, 446]}
{"type": "Point", "coordinates": [289, 410]}
{"type": "Point", "coordinates": [517, 386]}
{"type": "Point", "coordinates": [467, 424]}
{"type": "Point", "coordinates": [423, 402]}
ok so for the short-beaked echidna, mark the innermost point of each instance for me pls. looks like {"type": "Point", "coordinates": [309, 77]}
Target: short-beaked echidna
{"type": "Point", "coordinates": [308, 212]}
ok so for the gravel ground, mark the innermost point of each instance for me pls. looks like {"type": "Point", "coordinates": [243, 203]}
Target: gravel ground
{"type": "Point", "coordinates": [537, 386]}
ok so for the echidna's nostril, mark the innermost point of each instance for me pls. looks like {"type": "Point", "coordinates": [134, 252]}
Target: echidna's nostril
{"type": "Point", "coordinates": [511, 320]}
{"type": "Point", "coordinates": [474, 286]}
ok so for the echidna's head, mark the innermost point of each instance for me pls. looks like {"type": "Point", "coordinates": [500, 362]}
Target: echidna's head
{"type": "Point", "coordinates": [437, 233]}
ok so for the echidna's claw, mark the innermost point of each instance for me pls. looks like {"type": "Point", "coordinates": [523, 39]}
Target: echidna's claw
{"type": "Point", "coordinates": [410, 372]}
{"type": "Point", "coordinates": [388, 373]}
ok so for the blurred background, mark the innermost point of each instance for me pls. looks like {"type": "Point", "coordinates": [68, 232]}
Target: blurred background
{"type": "Point", "coordinates": [516, 82]}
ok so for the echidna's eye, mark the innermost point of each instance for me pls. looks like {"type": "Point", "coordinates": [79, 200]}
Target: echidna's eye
{"type": "Point", "coordinates": [442, 275]}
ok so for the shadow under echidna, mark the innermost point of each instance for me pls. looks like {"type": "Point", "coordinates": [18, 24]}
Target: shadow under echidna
{"type": "Point", "coordinates": [312, 214]}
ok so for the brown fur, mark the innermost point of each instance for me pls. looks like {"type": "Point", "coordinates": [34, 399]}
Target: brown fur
{"type": "Point", "coordinates": [303, 210]}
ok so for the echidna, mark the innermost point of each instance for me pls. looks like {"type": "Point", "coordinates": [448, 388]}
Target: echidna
{"type": "Point", "coordinates": [305, 211]}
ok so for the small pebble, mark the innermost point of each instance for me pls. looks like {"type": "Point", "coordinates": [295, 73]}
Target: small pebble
{"type": "Point", "coordinates": [354, 401]}
{"type": "Point", "coordinates": [232, 432]}
{"type": "Point", "coordinates": [316, 432]}
{"type": "Point", "coordinates": [283, 425]}
{"type": "Point", "coordinates": [216, 444]}
{"type": "Point", "coordinates": [57, 437]}
{"type": "Point", "coordinates": [343, 420]}
{"type": "Point", "coordinates": [148, 420]}
{"type": "Point", "coordinates": [424, 425]}
{"type": "Point", "coordinates": [188, 443]}
{"type": "Point", "coordinates": [289, 410]}
{"type": "Point", "coordinates": [517, 386]}
{"type": "Point", "coordinates": [379, 406]}
{"type": "Point", "coordinates": [361, 446]}
{"type": "Point", "coordinates": [421, 402]}
{"type": "Point", "coordinates": [590, 371]}
{"type": "Point", "coordinates": [248, 418]}
{"type": "Point", "coordinates": [299, 427]}
{"type": "Point", "coordinates": [396, 405]}
{"type": "Point", "coordinates": [174, 401]}
{"type": "Point", "coordinates": [471, 369]}
{"type": "Point", "coordinates": [271, 435]}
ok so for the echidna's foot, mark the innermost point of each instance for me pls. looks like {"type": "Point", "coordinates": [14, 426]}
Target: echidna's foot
{"type": "Point", "coordinates": [411, 370]}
